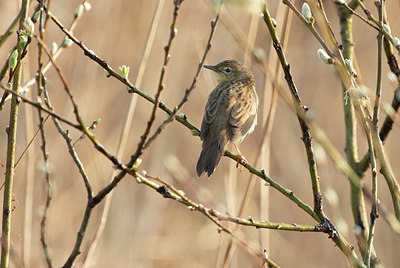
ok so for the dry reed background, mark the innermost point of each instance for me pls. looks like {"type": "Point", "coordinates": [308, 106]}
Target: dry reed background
{"type": "Point", "coordinates": [143, 229]}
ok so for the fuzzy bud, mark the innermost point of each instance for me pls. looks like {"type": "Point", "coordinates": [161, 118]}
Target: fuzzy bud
{"type": "Point", "coordinates": [53, 48]}
{"type": "Point", "coordinates": [324, 57]}
{"type": "Point", "coordinates": [350, 67]}
{"type": "Point", "coordinates": [36, 16]}
{"type": "Point", "coordinates": [78, 11]}
{"type": "Point", "coordinates": [30, 25]}
{"type": "Point", "coordinates": [274, 23]}
{"type": "Point", "coordinates": [195, 132]}
{"type": "Point", "coordinates": [23, 90]}
{"type": "Point", "coordinates": [306, 11]}
{"type": "Point", "coordinates": [12, 61]}
{"type": "Point", "coordinates": [137, 163]}
{"type": "Point", "coordinates": [22, 41]}
{"type": "Point", "coordinates": [387, 28]}
{"type": "Point", "coordinates": [87, 6]}
{"type": "Point", "coordinates": [67, 42]}
{"type": "Point", "coordinates": [124, 70]}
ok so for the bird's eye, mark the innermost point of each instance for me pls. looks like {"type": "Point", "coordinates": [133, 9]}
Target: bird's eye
{"type": "Point", "coordinates": [228, 70]}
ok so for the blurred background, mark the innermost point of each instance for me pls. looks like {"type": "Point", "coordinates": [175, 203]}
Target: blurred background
{"type": "Point", "coordinates": [142, 228]}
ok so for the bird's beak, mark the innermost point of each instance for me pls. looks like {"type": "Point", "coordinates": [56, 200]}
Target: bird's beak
{"type": "Point", "coordinates": [211, 67]}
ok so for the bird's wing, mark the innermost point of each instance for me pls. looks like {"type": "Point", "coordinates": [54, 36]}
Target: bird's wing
{"type": "Point", "coordinates": [211, 110]}
{"type": "Point", "coordinates": [243, 116]}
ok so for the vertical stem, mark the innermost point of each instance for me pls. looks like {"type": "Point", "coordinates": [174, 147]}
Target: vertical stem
{"type": "Point", "coordinates": [80, 235]}
{"type": "Point", "coordinates": [41, 86]}
{"type": "Point", "coordinates": [357, 198]}
{"type": "Point", "coordinates": [374, 213]}
{"type": "Point", "coordinates": [379, 73]}
{"type": "Point", "coordinates": [306, 136]}
{"type": "Point", "coordinates": [12, 133]}
{"type": "Point", "coordinates": [374, 208]}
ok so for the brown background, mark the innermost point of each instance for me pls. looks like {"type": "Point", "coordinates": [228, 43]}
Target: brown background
{"type": "Point", "coordinates": [143, 229]}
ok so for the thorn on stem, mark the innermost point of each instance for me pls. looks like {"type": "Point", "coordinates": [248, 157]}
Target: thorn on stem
{"type": "Point", "coordinates": [164, 191]}
{"type": "Point", "coordinates": [213, 22]}
{"type": "Point", "coordinates": [263, 173]}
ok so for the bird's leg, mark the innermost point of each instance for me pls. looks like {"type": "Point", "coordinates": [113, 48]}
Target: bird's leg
{"type": "Point", "coordinates": [240, 157]}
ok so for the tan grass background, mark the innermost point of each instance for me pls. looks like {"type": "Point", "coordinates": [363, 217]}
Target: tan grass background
{"type": "Point", "coordinates": [143, 229]}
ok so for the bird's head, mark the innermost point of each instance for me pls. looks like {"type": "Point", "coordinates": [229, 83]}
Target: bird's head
{"type": "Point", "coordinates": [230, 71]}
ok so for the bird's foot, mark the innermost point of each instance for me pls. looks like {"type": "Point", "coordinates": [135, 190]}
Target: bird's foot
{"type": "Point", "coordinates": [240, 158]}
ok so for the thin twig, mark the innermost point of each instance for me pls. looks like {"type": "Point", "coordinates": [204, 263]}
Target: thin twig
{"type": "Point", "coordinates": [353, 12]}
{"type": "Point", "coordinates": [387, 125]}
{"type": "Point", "coordinates": [60, 48]}
{"type": "Point", "coordinates": [21, 54]}
{"type": "Point", "coordinates": [301, 112]}
{"type": "Point", "coordinates": [374, 210]}
{"type": "Point", "coordinates": [41, 85]}
{"type": "Point", "coordinates": [173, 31]}
{"type": "Point", "coordinates": [306, 136]}
{"type": "Point", "coordinates": [111, 72]}
{"type": "Point", "coordinates": [389, 120]}
{"type": "Point", "coordinates": [268, 123]}
{"type": "Point", "coordinates": [384, 212]}
{"type": "Point", "coordinates": [378, 23]}
{"type": "Point", "coordinates": [231, 177]}
{"type": "Point", "coordinates": [39, 106]}
{"type": "Point", "coordinates": [188, 90]}
{"type": "Point", "coordinates": [249, 221]}
{"type": "Point", "coordinates": [63, 80]}
{"type": "Point", "coordinates": [182, 119]}
{"type": "Point", "coordinates": [11, 143]}
{"type": "Point", "coordinates": [81, 127]}
{"type": "Point", "coordinates": [78, 118]}
{"type": "Point", "coordinates": [91, 127]}
{"type": "Point", "coordinates": [30, 142]}
{"type": "Point", "coordinates": [374, 207]}
{"type": "Point", "coordinates": [358, 208]}
{"type": "Point", "coordinates": [310, 26]}
{"type": "Point", "coordinates": [71, 149]}
{"type": "Point", "coordinates": [387, 173]}
{"type": "Point", "coordinates": [144, 136]}
{"type": "Point", "coordinates": [10, 29]}
{"type": "Point", "coordinates": [92, 138]}
{"type": "Point", "coordinates": [80, 235]}
{"type": "Point", "coordinates": [125, 132]}
{"type": "Point", "coordinates": [169, 191]}
{"type": "Point", "coordinates": [91, 54]}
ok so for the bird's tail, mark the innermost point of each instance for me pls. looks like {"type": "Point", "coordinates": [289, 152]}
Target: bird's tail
{"type": "Point", "coordinates": [210, 155]}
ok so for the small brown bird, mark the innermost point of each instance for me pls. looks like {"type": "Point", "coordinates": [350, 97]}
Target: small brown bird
{"type": "Point", "coordinates": [230, 113]}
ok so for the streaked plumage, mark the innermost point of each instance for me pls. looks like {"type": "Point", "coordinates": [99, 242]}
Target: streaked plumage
{"type": "Point", "coordinates": [230, 113]}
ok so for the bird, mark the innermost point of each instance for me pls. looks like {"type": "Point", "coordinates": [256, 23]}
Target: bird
{"type": "Point", "coordinates": [230, 113]}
